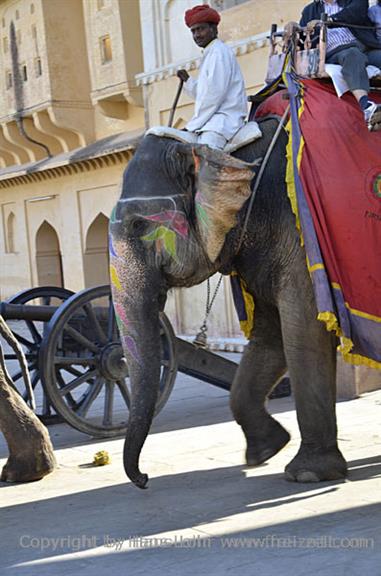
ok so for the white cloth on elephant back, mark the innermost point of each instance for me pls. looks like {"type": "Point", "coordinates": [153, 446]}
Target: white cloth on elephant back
{"type": "Point", "coordinates": [245, 135]}
{"type": "Point", "coordinates": [219, 93]}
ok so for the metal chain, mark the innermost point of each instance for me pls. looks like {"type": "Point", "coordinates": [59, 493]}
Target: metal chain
{"type": "Point", "coordinates": [201, 338]}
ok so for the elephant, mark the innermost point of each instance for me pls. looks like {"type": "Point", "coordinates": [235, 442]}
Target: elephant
{"type": "Point", "coordinates": [31, 454]}
{"type": "Point", "coordinates": [181, 218]}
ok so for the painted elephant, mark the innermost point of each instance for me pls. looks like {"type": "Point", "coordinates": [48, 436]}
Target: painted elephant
{"type": "Point", "coordinates": [179, 220]}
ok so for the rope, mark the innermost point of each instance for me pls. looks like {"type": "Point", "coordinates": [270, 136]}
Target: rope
{"type": "Point", "coordinates": [345, 24]}
{"type": "Point", "coordinates": [260, 175]}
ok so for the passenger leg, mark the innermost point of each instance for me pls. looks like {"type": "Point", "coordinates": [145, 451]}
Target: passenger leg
{"type": "Point", "coordinates": [212, 139]}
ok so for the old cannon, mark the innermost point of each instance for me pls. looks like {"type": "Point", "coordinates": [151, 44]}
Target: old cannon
{"type": "Point", "coordinates": [72, 347]}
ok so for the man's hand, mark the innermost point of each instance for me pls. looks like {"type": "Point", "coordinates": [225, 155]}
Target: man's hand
{"type": "Point", "coordinates": [290, 27]}
{"type": "Point", "coordinates": [183, 75]}
{"type": "Point", "coordinates": [312, 25]}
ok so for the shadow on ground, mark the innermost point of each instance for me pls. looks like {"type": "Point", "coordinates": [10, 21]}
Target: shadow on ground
{"type": "Point", "coordinates": [173, 503]}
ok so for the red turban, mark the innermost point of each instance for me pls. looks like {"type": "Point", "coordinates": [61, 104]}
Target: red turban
{"type": "Point", "coordinates": [200, 14]}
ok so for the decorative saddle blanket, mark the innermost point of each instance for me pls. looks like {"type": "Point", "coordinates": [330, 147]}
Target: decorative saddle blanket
{"type": "Point", "coordinates": [334, 185]}
{"type": "Point", "coordinates": [248, 133]}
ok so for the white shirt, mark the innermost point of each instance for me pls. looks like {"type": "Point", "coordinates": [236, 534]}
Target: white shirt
{"type": "Point", "coordinates": [337, 36]}
{"type": "Point", "coordinates": [219, 93]}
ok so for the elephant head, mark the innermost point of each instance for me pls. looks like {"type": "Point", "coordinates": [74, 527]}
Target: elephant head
{"type": "Point", "coordinates": [168, 229]}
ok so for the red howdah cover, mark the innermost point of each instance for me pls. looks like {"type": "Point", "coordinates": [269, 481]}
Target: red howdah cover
{"type": "Point", "coordinates": [334, 185]}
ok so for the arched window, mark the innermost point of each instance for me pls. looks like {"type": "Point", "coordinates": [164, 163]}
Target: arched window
{"type": "Point", "coordinates": [48, 256]}
{"type": "Point", "coordinates": [95, 258]}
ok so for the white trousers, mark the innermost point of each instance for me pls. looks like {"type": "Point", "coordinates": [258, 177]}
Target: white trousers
{"type": "Point", "coordinates": [211, 139]}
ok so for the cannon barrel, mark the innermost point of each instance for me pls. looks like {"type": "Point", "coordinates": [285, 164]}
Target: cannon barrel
{"type": "Point", "coordinates": [25, 312]}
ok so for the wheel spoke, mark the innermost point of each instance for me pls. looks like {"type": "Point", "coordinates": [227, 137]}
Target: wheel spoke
{"type": "Point", "coordinates": [35, 378]}
{"type": "Point", "coordinates": [24, 341]}
{"type": "Point", "coordinates": [68, 398]}
{"type": "Point", "coordinates": [61, 361]}
{"type": "Point", "coordinates": [77, 382]}
{"type": "Point", "coordinates": [34, 332]}
{"type": "Point", "coordinates": [124, 391]}
{"type": "Point", "coordinates": [78, 337]}
{"type": "Point", "coordinates": [95, 322]}
{"type": "Point", "coordinates": [109, 401]}
{"type": "Point", "coordinates": [10, 357]}
{"type": "Point", "coordinates": [16, 376]}
{"type": "Point", "coordinates": [71, 370]}
{"type": "Point", "coordinates": [90, 397]}
{"type": "Point", "coordinates": [46, 406]}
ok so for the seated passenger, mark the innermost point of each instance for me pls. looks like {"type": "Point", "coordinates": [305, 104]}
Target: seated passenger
{"type": "Point", "coordinates": [353, 48]}
{"type": "Point", "coordinates": [219, 90]}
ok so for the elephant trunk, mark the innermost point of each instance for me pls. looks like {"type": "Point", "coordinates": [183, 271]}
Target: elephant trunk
{"type": "Point", "coordinates": [145, 380]}
{"type": "Point", "coordinates": [142, 348]}
{"type": "Point", "coordinates": [135, 291]}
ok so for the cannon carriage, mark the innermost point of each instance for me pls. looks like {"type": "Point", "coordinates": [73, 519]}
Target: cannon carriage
{"type": "Point", "coordinates": [73, 351]}
{"type": "Point", "coordinates": [72, 347]}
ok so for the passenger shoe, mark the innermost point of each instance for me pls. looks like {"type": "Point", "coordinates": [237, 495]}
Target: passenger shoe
{"type": "Point", "coordinates": [372, 116]}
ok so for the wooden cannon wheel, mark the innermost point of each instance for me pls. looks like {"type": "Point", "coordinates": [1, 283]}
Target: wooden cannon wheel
{"type": "Point", "coordinates": [29, 334]}
{"type": "Point", "coordinates": [84, 371]}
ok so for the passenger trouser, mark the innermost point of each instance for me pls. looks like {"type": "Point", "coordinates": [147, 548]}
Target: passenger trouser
{"type": "Point", "coordinates": [354, 60]}
{"type": "Point", "coordinates": [212, 139]}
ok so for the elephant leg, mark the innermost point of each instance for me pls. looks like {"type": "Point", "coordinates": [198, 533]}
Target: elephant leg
{"type": "Point", "coordinates": [262, 364]}
{"type": "Point", "coordinates": [311, 358]}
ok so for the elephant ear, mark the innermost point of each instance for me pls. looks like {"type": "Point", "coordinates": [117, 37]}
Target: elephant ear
{"type": "Point", "coordinates": [223, 186]}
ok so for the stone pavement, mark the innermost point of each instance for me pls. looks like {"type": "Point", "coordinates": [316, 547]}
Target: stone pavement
{"type": "Point", "coordinates": [204, 512]}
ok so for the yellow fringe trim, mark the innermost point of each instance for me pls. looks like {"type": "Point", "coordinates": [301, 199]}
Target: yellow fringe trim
{"type": "Point", "coordinates": [290, 176]}
{"type": "Point", "coordinates": [247, 325]}
{"type": "Point", "coordinates": [290, 181]}
{"type": "Point", "coordinates": [358, 360]}
{"type": "Point", "coordinates": [331, 322]}
{"type": "Point", "coordinates": [346, 344]}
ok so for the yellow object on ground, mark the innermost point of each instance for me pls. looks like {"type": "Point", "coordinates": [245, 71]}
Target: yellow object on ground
{"type": "Point", "coordinates": [101, 458]}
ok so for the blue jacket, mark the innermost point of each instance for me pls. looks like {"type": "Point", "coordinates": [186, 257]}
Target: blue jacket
{"type": "Point", "coordinates": [352, 12]}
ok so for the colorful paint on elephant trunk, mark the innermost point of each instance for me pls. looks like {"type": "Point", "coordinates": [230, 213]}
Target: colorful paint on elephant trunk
{"type": "Point", "coordinates": [119, 294]}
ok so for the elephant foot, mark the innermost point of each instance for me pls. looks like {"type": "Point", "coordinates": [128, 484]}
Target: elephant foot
{"type": "Point", "coordinates": [315, 465]}
{"type": "Point", "coordinates": [22, 470]}
{"type": "Point", "coordinates": [264, 446]}
{"type": "Point", "coordinates": [18, 472]}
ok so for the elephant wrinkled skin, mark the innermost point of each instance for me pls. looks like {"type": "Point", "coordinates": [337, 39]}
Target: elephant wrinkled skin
{"type": "Point", "coordinates": [178, 221]}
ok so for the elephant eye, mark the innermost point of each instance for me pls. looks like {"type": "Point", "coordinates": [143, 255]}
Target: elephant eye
{"type": "Point", "coordinates": [138, 227]}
